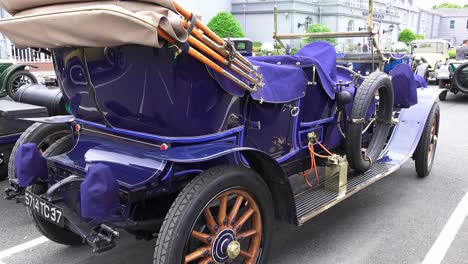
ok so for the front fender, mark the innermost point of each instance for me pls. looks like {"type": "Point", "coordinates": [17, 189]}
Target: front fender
{"type": "Point", "coordinates": [6, 73]}
{"type": "Point", "coordinates": [443, 73]}
{"type": "Point", "coordinates": [422, 69]}
{"type": "Point", "coordinates": [408, 131]}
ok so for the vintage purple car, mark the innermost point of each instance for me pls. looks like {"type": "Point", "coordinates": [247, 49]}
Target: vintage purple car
{"type": "Point", "coordinates": [198, 154]}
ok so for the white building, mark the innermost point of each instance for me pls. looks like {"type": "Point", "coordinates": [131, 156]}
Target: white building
{"type": "Point", "coordinates": [453, 25]}
{"type": "Point", "coordinates": [256, 18]}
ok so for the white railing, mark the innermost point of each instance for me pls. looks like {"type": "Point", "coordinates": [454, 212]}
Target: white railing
{"type": "Point", "coordinates": [29, 55]}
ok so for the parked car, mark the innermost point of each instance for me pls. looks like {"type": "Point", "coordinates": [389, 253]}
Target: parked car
{"type": "Point", "coordinates": [13, 76]}
{"type": "Point", "coordinates": [428, 55]}
{"type": "Point", "coordinates": [453, 77]}
{"type": "Point", "coordinates": [190, 143]}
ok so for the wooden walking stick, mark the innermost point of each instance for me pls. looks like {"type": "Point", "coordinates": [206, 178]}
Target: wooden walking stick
{"type": "Point", "coordinates": [210, 34]}
{"type": "Point", "coordinates": [202, 58]}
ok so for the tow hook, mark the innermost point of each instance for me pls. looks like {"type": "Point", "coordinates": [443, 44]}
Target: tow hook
{"type": "Point", "coordinates": [103, 240]}
{"type": "Point", "coordinates": [14, 191]}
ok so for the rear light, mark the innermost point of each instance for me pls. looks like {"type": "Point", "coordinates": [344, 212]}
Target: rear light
{"type": "Point", "coordinates": [164, 147]}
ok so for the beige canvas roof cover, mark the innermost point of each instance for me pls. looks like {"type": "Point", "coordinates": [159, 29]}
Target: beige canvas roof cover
{"type": "Point", "coordinates": [60, 23]}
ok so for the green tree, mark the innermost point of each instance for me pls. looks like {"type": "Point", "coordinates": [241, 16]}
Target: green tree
{"type": "Point", "coordinates": [225, 25]}
{"type": "Point", "coordinates": [465, 6]}
{"type": "Point", "coordinates": [420, 36]}
{"type": "Point", "coordinates": [446, 5]}
{"type": "Point", "coordinates": [407, 36]}
{"type": "Point", "coordinates": [318, 28]}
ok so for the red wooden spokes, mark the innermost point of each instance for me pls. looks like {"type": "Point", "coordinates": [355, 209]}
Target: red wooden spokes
{"type": "Point", "coordinates": [235, 208]}
{"type": "Point", "coordinates": [223, 201]}
{"type": "Point", "coordinates": [199, 253]}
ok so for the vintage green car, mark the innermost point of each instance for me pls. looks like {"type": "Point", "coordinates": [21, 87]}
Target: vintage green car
{"type": "Point", "coordinates": [13, 76]}
{"type": "Point", "coordinates": [428, 55]}
{"type": "Point", "coordinates": [453, 77]}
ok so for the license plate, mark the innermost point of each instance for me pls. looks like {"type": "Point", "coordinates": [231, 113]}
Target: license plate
{"type": "Point", "coordinates": [46, 210]}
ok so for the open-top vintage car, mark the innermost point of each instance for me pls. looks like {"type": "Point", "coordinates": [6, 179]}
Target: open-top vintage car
{"type": "Point", "coordinates": [177, 136]}
{"type": "Point", "coordinates": [453, 77]}
{"type": "Point", "coordinates": [428, 55]}
{"type": "Point", "coordinates": [13, 76]}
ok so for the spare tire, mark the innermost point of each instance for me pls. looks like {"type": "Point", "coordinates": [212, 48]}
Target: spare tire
{"type": "Point", "coordinates": [460, 77]}
{"type": "Point", "coordinates": [377, 83]}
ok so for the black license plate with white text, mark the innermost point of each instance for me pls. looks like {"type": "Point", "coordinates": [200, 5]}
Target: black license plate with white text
{"type": "Point", "coordinates": [46, 210]}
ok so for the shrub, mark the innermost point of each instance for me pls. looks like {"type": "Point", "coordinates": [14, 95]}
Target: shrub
{"type": "Point", "coordinates": [407, 36]}
{"type": "Point", "coordinates": [452, 54]}
{"type": "Point", "coordinates": [318, 28]}
{"type": "Point", "coordinates": [447, 5]}
{"type": "Point", "coordinates": [257, 46]}
{"type": "Point", "coordinates": [225, 25]}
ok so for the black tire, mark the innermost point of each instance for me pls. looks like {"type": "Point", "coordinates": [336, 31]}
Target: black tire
{"type": "Point", "coordinates": [190, 204]}
{"type": "Point", "coordinates": [358, 160]}
{"type": "Point", "coordinates": [443, 95]}
{"type": "Point", "coordinates": [49, 230]}
{"type": "Point", "coordinates": [426, 149]}
{"type": "Point", "coordinates": [442, 84]}
{"type": "Point", "coordinates": [5, 156]}
{"type": "Point", "coordinates": [460, 78]}
{"type": "Point", "coordinates": [44, 135]}
{"type": "Point", "coordinates": [18, 79]}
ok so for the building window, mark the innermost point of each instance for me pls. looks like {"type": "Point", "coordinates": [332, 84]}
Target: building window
{"type": "Point", "coordinates": [452, 24]}
{"type": "Point", "coordinates": [351, 25]}
{"type": "Point", "coordinates": [466, 23]}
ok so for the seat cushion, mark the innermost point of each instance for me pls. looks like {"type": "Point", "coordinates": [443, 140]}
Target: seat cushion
{"type": "Point", "coordinates": [404, 86]}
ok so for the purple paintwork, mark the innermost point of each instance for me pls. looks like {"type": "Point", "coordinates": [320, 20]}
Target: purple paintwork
{"type": "Point", "coordinates": [150, 99]}
{"type": "Point", "coordinates": [409, 129]}
{"type": "Point", "coordinates": [126, 158]}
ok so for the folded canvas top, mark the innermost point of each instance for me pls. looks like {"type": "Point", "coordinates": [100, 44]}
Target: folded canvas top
{"type": "Point", "coordinates": [62, 23]}
{"type": "Point", "coordinates": [15, 6]}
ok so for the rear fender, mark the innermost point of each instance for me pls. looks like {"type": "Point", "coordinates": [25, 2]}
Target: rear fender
{"type": "Point", "coordinates": [267, 167]}
{"type": "Point", "coordinates": [51, 120]}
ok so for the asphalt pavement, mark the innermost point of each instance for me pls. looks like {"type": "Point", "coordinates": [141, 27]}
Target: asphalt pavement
{"type": "Point", "coordinates": [396, 220]}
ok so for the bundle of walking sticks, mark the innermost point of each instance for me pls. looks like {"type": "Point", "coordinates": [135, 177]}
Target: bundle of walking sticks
{"type": "Point", "coordinates": [208, 48]}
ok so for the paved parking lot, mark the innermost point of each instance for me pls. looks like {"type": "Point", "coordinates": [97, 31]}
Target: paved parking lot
{"type": "Point", "coordinates": [397, 220]}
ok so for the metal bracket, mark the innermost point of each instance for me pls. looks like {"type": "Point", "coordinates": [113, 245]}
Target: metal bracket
{"type": "Point", "coordinates": [360, 121]}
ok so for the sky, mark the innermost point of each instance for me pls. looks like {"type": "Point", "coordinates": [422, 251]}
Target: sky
{"type": "Point", "coordinates": [430, 3]}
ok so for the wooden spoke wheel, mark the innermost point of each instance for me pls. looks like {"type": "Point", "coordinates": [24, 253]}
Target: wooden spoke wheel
{"type": "Point", "coordinates": [433, 141]}
{"type": "Point", "coordinates": [234, 232]}
{"type": "Point", "coordinates": [223, 216]}
{"type": "Point", "coordinates": [426, 150]}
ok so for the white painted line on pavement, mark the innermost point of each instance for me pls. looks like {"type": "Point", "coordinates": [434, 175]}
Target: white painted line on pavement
{"type": "Point", "coordinates": [440, 247]}
{"type": "Point", "coordinates": [22, 247]}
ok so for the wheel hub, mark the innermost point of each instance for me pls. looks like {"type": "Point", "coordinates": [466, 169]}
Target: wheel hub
{"type": "Point", "coordinates": [233, 249]}
{"type": "Point", "coordinates": [225, 246]}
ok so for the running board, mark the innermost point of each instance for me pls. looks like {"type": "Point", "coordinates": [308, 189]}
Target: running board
{"type": "Point", "coordinates": [317, 200]}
